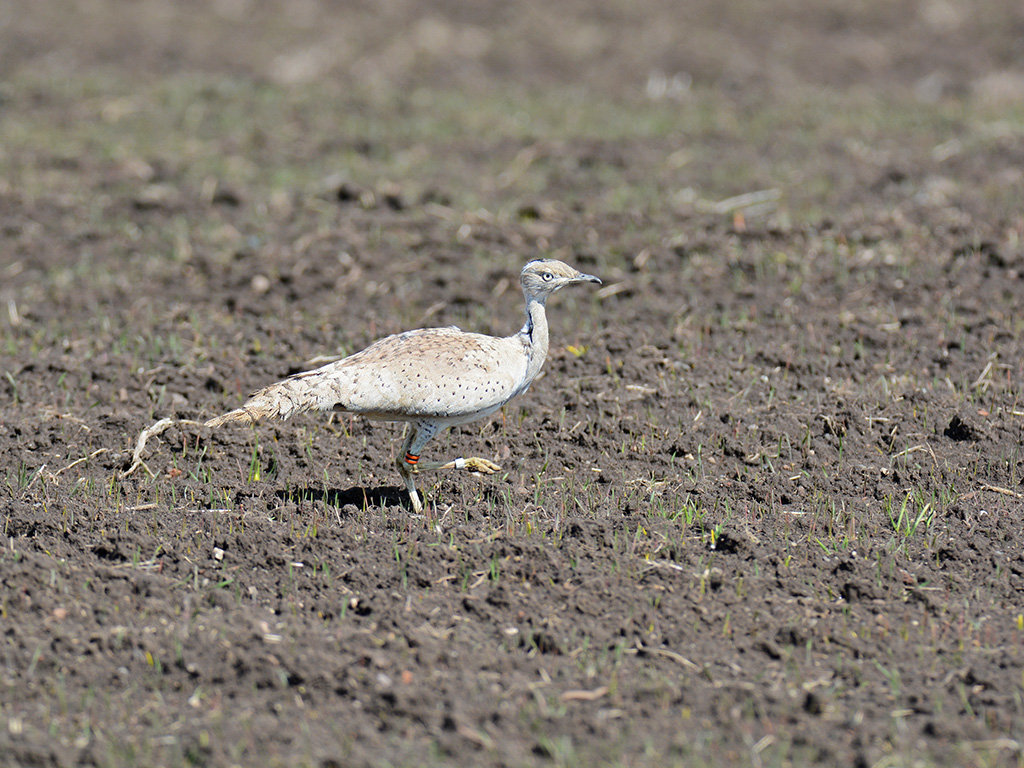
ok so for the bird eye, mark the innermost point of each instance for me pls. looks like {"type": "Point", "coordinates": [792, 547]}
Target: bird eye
{"type": "Point", "coordinates": [547, 277]}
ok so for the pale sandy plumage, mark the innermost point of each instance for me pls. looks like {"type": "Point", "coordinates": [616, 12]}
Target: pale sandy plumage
{"type": "Point", "coordinates": [433, 377]}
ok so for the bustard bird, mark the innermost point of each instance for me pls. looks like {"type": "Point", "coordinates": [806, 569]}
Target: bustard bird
{"type": "Point", "coordinates": [433, 378]}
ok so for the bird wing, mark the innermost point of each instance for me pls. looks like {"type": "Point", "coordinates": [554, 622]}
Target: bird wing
{"type": "Point", "coordinates": [441, 373]}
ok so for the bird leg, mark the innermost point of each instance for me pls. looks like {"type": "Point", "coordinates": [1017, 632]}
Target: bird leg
{"type": "Point", "coordinates": [472, 464]}
{"type": "Point", "coordinates": [407, 469]}
{"type": "Point", "coordinates": [409, 463]}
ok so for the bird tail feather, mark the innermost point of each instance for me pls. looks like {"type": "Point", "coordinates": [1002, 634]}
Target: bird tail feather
{"type": "Point", "coordinates": [278, 401]}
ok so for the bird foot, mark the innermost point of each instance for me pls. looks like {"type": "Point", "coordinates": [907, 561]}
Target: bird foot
{"type": "Point", "coordinates": [481, 466]}
{"type": "Point", "coordinates": [417, 505]}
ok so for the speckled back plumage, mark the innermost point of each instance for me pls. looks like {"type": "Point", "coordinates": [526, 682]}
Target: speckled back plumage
{"type": "Point", "coordinates": [431, 373]}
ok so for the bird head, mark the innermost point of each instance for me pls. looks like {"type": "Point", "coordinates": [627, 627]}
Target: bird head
{"type": "Point", "coordinates": [542, 277]}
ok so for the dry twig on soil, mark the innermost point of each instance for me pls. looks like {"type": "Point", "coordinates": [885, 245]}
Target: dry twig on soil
{"type": "Point", "coordinates": [154, 429]}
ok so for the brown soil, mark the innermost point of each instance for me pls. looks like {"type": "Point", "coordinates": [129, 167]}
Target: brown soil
{"type": "Point", "coordinates": [764, 507]}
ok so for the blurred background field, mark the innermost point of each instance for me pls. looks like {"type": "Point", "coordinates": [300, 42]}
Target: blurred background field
{"type": "Point", "coordinates": [763, 508]}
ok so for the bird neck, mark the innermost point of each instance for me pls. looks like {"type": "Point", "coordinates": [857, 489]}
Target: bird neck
{"type": "Point", "coordinates": [535, 334]}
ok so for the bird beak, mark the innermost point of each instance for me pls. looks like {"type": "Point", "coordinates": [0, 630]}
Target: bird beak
{"type": "Point", "coordinates": [581, 278]}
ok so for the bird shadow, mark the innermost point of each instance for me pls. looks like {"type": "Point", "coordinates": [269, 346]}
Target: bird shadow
{"type": "Point", "coordinates": [360, 497]}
